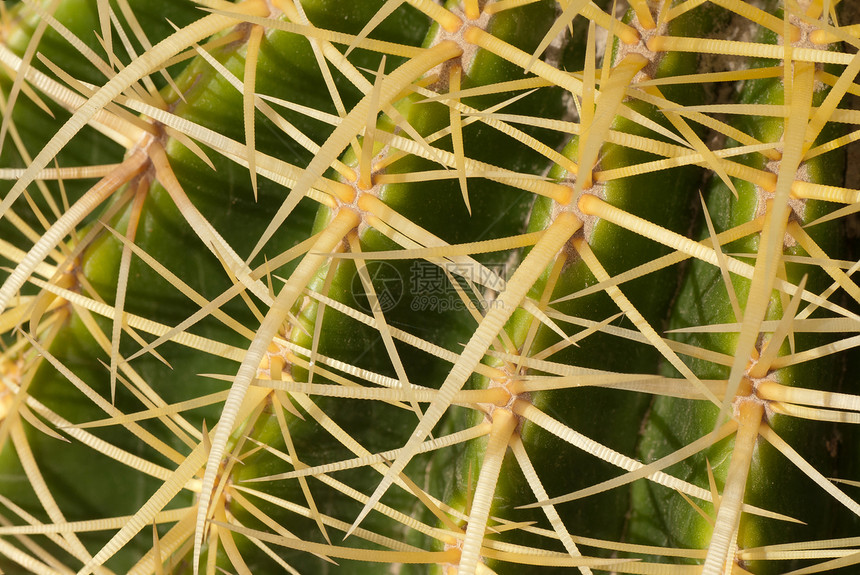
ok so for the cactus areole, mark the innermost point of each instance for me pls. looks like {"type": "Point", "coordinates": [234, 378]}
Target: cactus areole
{"type": "Point", "coordinates": [467, 287]}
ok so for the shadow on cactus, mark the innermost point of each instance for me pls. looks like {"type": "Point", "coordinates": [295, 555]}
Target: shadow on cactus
{"type": "Point", "coordinates": [473, 287]}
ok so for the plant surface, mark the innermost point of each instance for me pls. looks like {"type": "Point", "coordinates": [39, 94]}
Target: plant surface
{"type": "Point", "coordinates": [387, 286]}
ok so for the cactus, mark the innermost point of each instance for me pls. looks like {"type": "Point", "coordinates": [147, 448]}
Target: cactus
{"type": "Point", "coordinates": [473, 287]}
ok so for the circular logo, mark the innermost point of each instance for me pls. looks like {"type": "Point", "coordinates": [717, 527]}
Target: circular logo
{"type": "Point", "coordinates": [387, 287]}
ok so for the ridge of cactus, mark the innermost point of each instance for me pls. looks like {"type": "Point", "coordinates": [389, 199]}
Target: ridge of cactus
{"type": "Point", "coordinates": [387, 286]}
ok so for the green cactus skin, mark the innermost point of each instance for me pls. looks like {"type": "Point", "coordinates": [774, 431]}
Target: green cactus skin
{"type": "Point", "coordinates": [704, 300]}
{"type": "Point", "coordinates": [587, 409]}
{"type": "Point", "coordinates": [496, 210]}
{"type": "Point", "coordinates": [446, 512]}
